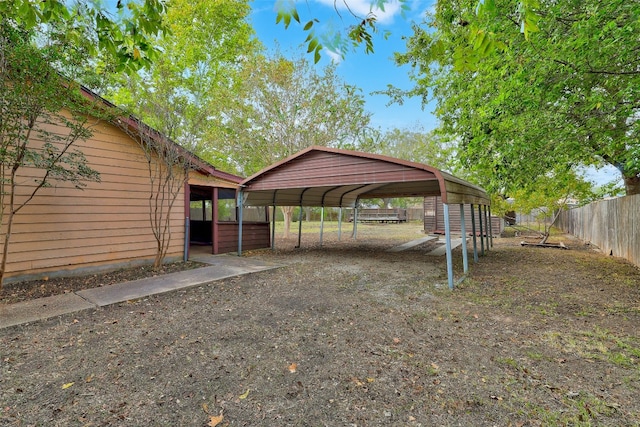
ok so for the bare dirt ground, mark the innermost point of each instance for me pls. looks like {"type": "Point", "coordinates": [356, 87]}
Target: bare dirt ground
{"type": "Point", "coordinates": [348, 335]}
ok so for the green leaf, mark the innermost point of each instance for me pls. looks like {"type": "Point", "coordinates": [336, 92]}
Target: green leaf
{"type": "Point", "coordinates": [313, 44]}
{"type": "Point", "coordinates": [316, 56]}
{"type": "Point", "coordinates": [308, 25]}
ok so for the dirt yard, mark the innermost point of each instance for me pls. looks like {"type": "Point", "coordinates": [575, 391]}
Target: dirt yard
{"type": "Point", "coordinates": [348, 335]}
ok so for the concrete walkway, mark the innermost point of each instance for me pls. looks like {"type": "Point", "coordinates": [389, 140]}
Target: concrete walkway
{"type": "Point", "coordinates": [222, 266]}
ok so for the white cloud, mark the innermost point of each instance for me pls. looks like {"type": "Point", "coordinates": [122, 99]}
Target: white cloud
{"type": "Point", "coordinates": [334, 56]}
{"type": "Point", "coordinates": [362, 8]}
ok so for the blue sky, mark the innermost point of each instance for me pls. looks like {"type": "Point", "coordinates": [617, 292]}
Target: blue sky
{"type": "Point", "coordinates": [370, 72]}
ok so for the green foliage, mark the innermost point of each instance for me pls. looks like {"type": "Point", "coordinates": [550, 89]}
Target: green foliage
{"type": "Point", "coordinates": [283, 107]}
{"type": "Point", "coordinates": [125, 39]}
{"type": "Point", "coordinates": [538, 107]}
{"type": "Point", "coordinates": [185, 91]}
{"type": "Point", "coordinates": [481, 42]}
{"type": "Point", "coordinates": [33, 95]}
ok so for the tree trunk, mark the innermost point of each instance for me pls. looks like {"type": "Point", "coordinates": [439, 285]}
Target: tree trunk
{"type": "Point", "coordinates": [632, 184]}
{"type": "Point", "coordinates": [5, 248]}
{"type": "Point", "coordinates": [287, 212]}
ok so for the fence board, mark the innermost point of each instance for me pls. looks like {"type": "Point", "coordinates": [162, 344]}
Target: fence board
{"type": "Point", "coordinates": [611, 225]}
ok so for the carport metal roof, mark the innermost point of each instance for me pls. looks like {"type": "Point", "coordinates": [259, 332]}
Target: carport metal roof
{"type": "Point", "coordinates": [330, 177]}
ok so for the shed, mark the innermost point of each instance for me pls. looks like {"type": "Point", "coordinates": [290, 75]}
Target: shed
{"type": "Point", "coordinates": [330, 177]}
{"type": "Point", "coordinates": [65, 231]}
{"type": "Point", "coordinates": [434, 218]}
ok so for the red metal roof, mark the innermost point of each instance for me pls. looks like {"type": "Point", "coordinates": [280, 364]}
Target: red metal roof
{"type": "Point", "coordinates": [322, 176]}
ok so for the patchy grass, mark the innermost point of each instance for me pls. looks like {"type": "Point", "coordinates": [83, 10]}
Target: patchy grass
{"type": "Point", "coordinates": [534, 337]}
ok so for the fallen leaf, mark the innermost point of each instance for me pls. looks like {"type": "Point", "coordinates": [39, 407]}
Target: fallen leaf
{"type": "Point", "coordinates": [205, 408]}
{"type": "Point", "coordinates": [67, 385]}
{"type": "Point", "coordinates": [244, 395]}
{"type": "Point", "coordinates": [89, 378]}
{"type": "Point", "coordinates": [370, 380]}
{"type": "Point", "coordinates": [293, 367]}
{"type": "Point", "coordinates": [396, 340]}
{"type": "Point", "coordinates": [215, 420]}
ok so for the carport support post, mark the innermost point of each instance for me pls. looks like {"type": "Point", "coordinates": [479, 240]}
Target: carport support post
{"type": "Point", "coordinates": [486, 227]}
{"type": "Point", "coordinates": [481, 237]}
{"type": "Point", "coordinates": [355, 223]}
{"type": "Point", "coordinates": [490, 230]}
{"type": "Point", "coordinates": [473, 232]}
{"type": "Point", "coordinates": [321, 224]}
{"type": "Point", "coordinates": [339, 223]}
{"type": "Point", "coordinates": [273, 228]}
{"type": "Point", "coordinates": [447, 239]}
{"type": "Point", "coordinates": [240, 203]}
{"type": "Point", "coordinates": [299, 227]}
{"type": "Point", "coordinates": [463, 229]}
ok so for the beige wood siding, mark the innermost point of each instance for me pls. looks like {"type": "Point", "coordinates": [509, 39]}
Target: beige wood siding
{"type": "Point", "coordinates": [107, 223]}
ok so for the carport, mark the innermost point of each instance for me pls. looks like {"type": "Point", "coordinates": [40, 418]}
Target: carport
{"type": "Point", "coordinates": [330, 177]}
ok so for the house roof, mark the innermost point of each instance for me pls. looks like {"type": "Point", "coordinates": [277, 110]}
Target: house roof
{"type": "Point", "coordinates": [138, 127]}
{"type": "Point", "coordinates": [322, 176]}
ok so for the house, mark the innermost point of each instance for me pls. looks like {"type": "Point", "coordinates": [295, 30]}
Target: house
{"type": "Point", "coordinates": [106, 225]}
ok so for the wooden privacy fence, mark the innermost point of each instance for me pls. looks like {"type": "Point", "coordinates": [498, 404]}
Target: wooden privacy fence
{"type": "Point", "coordinates": [612, 225]}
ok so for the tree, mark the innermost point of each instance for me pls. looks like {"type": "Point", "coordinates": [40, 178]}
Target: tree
{"type": "Point", "coordinates": [168, 165]}
{"type": "Point", "coordinates": [420, 146]}
{"type": "Point", "coordinates": [567, 96]}
{"type": "Point", "coordinates": [286, 106]}
{"type": "Point", "coordinates": [181, 95]}
{"type": "Point", "coordinates": [549, 195]}
{"type": "Point", "coordinates": [364, 25]}
{"type": "Point", "coordinates": [183, 92]}
{"type": "Point", "coordinates": [125, 39]}
{"type": "Point", "coordinates": [34, 95]}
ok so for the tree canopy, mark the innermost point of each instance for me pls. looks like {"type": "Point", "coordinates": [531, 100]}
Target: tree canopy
{"type": "Point", "coordinates": [122, 34]}
{"type": "Point", "coordinates": [566, 97]}
{"type": "Point", "coordinates": [184, 92]}
{"type": "Point", "coordinates": [285, 106]}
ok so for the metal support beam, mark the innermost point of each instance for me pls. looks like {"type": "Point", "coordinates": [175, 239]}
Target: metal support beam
{"type": "Point", "coordinates": [447, 233]}
{"type": "Point", "coordinates": [490, 229]}
{"type": "Point", "coordinates": [240, 213]}
{"type": "Point", "coordinates": [481, 236]}
{"type": "Point", "coordinates": [354, 235]}
{"type": "Point", "coordinates": [340, 223]}
{"type": "Point", "coordinates": [473, 232]}
{"type": "Point", "coordinates": [463, 229]}
{"type": "Point", "coordinates": [187, 233]}
{"type": "Point", "coordinates": [486, 228]}
{"type": "Point", "coordinates": [321, 224]}
{"type": "Point", "coordinates": [299, 227]}
{"type": "Point", "coordinates": [273, 228]}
